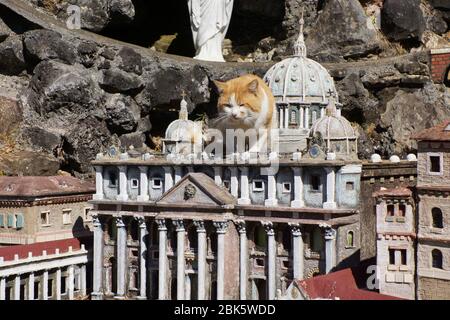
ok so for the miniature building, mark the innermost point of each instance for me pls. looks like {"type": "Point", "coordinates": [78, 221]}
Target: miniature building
{"type": "Point", "coordinates": [396, 242]}
{"type": "Point", "coordinates": [55, 270]}
{"type": "Point", "coordinates": [38, 209]}
{"type": "Point", "coordinates": [440, 65]}
{"type": "Point", "coordinates": [433, 188]}
{"type": "Point", "coordinates": [168, 226]}
{"type": "Point", "coordinates": [302, 89]}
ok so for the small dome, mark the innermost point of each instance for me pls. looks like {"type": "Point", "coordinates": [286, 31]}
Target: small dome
{"type": "Point", "coordinates": [411, 157]}
{"type": "Point", "coordinates": [375, 158]}
{"type": "Point", "coordinates": [300, 80]}
{"type": "Point", "coordinates": [394, 159]}
{"type": "Point", "coordinates": [179, 130]}
{"type": "Point", "coordinates": [333, 127]}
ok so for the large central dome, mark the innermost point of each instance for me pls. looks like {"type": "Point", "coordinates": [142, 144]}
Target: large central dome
{"type": "Point", "coordinates": [300, 80]}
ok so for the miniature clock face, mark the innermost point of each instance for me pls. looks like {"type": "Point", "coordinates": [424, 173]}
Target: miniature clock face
{"type": "Point", "coordinates": [314, 151]}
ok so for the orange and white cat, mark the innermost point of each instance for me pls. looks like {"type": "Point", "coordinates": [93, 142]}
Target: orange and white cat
{"type": "Point", "coordinates": [244, 103]}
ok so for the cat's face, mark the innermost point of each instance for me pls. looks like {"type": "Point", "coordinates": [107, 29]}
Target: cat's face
{"type": "Point", "coordinates": [239, 103]}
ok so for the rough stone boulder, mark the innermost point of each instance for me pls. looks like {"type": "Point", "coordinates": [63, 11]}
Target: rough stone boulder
{"type": "Point", "coordinates": [117, 81]}
{"type": "Point", "coordinates": [402, 19]}
{"type": "Point", "coordinates": [12, 61]}
{"type": "Point", "coordinates": [123, 114]}
{"type": "Point", "coordinates": [342, 30]}
{"type": "Point", "coordinates": [46, 44]}
{"type": "Point", "coordinates": [5, 31]}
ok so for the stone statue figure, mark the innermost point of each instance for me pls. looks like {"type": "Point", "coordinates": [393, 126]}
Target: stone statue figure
{"type": "Point", "coordinates": [209, 22]}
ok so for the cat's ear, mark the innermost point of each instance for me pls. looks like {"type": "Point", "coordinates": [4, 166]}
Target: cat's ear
{"type": "Point", "coordinates": [253, 86]}
{"type": "Point", "coordinates": [220, 86]}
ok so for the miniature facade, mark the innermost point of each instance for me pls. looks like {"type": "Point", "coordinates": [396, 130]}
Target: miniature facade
{"type": "Point", "coordinates": [169, 226]}
{"type": "Point", "coordinates": [56, 270]}
{"type": "Point", "coordinates": [38, 209]}
{"type": "Point", "coordinates": [433, 188]}
{"type": "Point", "coordinates": [396, 242]}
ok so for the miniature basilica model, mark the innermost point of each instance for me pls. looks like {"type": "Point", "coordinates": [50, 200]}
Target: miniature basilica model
{"type": "Point", "coordinates": [169, 229]}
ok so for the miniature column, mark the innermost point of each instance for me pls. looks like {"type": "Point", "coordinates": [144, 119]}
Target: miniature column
{"type": "Point", "coordinates": [98, 258]}
{"type": "Point", "coordinates": [218, 175]}
{"type": "Point", "coordinates": [330, 249]}
{"type": "Point", "coordinates": [123, 180]}
{"type": "Point", "coordinates": [17, 287]}
{"type": "Point", "coordinates": [286, 116]}
{"type": "Point", "coordinates": [70, 282]}
{"type": "Point", "coordinates": [143, 232]}
{"type": "Point", "coordinates": [99, 195]}
{"type": "Point", "coordinates": [234, 182]}
{"type": "Point", "coordinates": [121, 256]}
{"type": "Point", "coordinates": [179, 224]}
{"type": "Point", "coordinates": [243, 259]}
{"type": "Point", "coordinates": [306, 118]}
{"type": "Point", "coordinates": [322, 112]}
{"type": "Point", "coordinates": [58, 284]}
{"type": "Point", "coordinates": [2, 289]}
{"type": "Point", "coordinates": [221, 227]}
{"type": "Point", "coordinates": [281, 117]}
{"type": "Point", "coordinates": [271, 200]}
{"type": "Point", "coordinates": [178, 173]}
{"type": "Point", "coordinates": [302, 117]}
{"type": "Point", "coordinates": [44, 285]}
{"type": "Point", "coordinates": [201, 258]}
{"type": "Point", "coordinates": [143, 184]}
{"type": "Point", "coordinates": [298, 188]}
{"type": "Point", "coordinates": [83, 285]}
{"type": "Point", "coordinates": [297, 249]}
{"type": "Point", "coordinates": [244, 199]}
{"type": "Point", "coordinates": [30, 286]}
{"type": "Point", "coordinates": [168, 179]}
{"type": "Point", "coordinates": [162, 228]}
{"type": "Point", "coordinates": [331, 189]}
{"type": "Point", "coordinates": [271, 259]}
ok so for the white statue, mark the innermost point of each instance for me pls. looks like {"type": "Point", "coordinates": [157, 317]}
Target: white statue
{"type": "Point", "coordinates": [209, 22]}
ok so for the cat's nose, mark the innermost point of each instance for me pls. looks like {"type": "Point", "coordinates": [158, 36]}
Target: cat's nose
{"type": "Point", "coordinates": [235, 114]}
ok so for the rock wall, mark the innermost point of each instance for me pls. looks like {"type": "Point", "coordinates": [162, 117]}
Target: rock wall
{"type": "Point", "coordinates": [78, 92]}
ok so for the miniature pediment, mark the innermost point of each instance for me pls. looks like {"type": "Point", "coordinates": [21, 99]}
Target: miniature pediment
{"type": "Point", "coordinates": [196, 189]}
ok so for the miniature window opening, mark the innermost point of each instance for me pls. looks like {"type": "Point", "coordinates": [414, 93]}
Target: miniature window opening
{"type": "Point", "coordinates": [259, 262]}
{"type": "Point", "coordinates": [285, 264]}
{"type": "Point", "coordinates": [2, 220]}
{"type": "Point", "coordinates": [134, 183]}
{"type": "Point", "coordinates": [402, 210]}
{"type": "Point", "coordinates": [390, 210]}
{"type": "Point", "coordinates": [286, 187]}
{"type": "Point", "coordinates": [293, 118]}
{"type": "Point", "coordinates": [87, 214]}
{"type": "Point", "coordinates": [391, 256]}
{"type": "Point", "coordinates": [258, 185]}
{"type": "Point", "coordinates": [350, 239]}
{"type": "Point", "coordinates": [112, 179]}
{"type": "Point", "coordinates": [435, 164]}
{"type": "Point", "coordinates": [157, 183]}
{"type": "Point", "coordinates": [19, 221]}
{"type": "Point", "coordinates": [67, 216]}
{"type": "Point", "coordinates": [315, 183]}
{"type": "Point", "coordinates": [45, 218]}
{"type": "Point", "coordinates": [403, 257]}
{"type": "Point", "coordinates": [436, 256]}
{"type": "Point", "coordinates": [350, 186]}
{"type": "Point", "coordinates": [436, 215]}
{"type": "Point", "coordinates": [314, 116]}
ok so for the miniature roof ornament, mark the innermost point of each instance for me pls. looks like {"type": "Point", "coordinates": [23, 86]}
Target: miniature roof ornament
{"type": "Point", "coordinates": [300, 45]}
{"type": "Point", "coordinates": [183, 114]}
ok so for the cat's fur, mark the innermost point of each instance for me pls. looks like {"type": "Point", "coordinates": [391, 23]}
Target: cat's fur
{"type": "Point", "coordinates": [244, 103]}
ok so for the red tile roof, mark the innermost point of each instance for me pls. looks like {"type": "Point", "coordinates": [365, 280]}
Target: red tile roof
{"type": "Point", "coordinates": [11, 187]}
{"type": "Point", "coordinates": [36, 248]}
{"type": "Point", "coordinates": [339, 285]}
{"type": "Point", "coordinates": [441, 132]}
{"type": "Point", "coordinates": [394, 192]}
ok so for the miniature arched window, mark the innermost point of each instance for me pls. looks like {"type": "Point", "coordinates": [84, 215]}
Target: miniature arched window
{"type": "Point", "coordinates": [436, 215]}
{"type": "Point", "coordinates": [436, 257]}
{"type": "Point", "coordinates": [134, 230]}
{"type": "Point", "coordinates": [293, 117]}
{"type": "Point", "coordinates": [350, 239]}
{"type": "Point", "coordinates": [112, 229]}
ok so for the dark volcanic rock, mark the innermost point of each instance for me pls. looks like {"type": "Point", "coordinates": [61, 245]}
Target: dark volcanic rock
{"type": "Point", "coordinates": [12, 60]}
{"type": "Point", "coordinates": [402, 19]}
{"type": "Point", "coordinates": [118, 81]}
{"type": "Point", "coordinates": [87, 53]}
{"type": "Point", "coordinates": [45, 44]}
{"type": "Point", "coordinates": [5, 31]}
{"type": "Point", "coordinates": [342, 30]}
{"type": "Point", "coordinates": [122, 113]}
{"type": "Point", "coordinates": [131, 61]}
